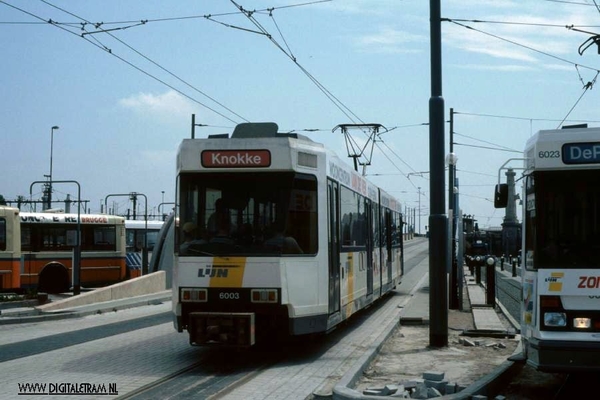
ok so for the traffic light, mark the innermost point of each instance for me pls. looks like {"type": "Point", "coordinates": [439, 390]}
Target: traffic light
{"type": "Point", "coordinates": [501, 195]}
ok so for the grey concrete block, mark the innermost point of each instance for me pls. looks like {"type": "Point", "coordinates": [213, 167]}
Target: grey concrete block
{"type": "Point", "coordinates": [420, 392]}
{"type": "Point", "coordinates": [401, 395]}
{"type": "Point", "coordinates": [390, 389]}
{"type": "Point", "coordinates": [438, 385]}
{"type": "Point", "coordinates": [450, 388]}
{"type": "Point", "coordinates": [433, 375]}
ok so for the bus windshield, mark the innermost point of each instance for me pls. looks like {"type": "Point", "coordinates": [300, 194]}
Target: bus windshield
{"type": "Point", "coordinates": [263, 214]}
{"type": "Point", "coordinates": [563, 217]}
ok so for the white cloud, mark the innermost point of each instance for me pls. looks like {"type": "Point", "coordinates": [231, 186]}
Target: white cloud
{"type": "Point", "coordinates": [389, 40]}
{"type": "Point", "coordinates": [167, 105]}
{"type": "Point", "coordinates": [532, 35]}
{"type": "Point", "coordinates": [502, 68]}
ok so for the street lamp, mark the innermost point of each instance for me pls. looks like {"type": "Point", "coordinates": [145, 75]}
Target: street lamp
{"type": "Point", "coordinates": [419, 188]}
{"type": "Point", "coordinates": [51, 151]}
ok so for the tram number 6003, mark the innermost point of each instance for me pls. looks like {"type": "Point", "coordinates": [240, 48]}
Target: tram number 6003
{"type": "Point", "coordinates": [229, 296]}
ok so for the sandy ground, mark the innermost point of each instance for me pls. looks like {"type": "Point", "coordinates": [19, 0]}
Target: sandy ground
{"type": "Point", "coordinates": [406, 355]}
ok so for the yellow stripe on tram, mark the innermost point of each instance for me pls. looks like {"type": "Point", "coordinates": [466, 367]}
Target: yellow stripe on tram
{"type": "Point", "coordinates": [229, 272]}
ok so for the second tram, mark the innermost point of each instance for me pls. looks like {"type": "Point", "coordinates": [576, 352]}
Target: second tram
{"type": "Point", "coordinates": [560, 324]}
{"type": "Point", "coordinates": [275, 235]}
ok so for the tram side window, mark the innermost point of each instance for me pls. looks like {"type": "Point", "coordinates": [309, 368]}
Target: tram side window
{"type": "Point", "coordinates": [2, 234]}
{"type": "Point", "coordinates": [354, 219]}
{"type": "Point", "coordinates": [375, 227]}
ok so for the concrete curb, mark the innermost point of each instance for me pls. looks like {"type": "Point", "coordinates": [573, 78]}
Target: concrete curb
{"type": "Point", "coordinates": [33, 315]}
{"type": "Point", "coordinates": [491, 382]}
{"type": "Point", "coordinates": [342, 389]}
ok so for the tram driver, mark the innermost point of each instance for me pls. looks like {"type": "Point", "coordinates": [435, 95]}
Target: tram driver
{"type": "Point", "coordinates": [189, 237]}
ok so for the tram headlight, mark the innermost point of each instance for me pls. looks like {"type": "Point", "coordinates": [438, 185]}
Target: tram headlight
{"type": "Point", "coordinates": [582, 323]}
{"type": "Point", "coordinates": [188, 295]}
{"type": "Point", "coordinates": [557, 319]}
{"type": "Point", "coordinates": [264, 295]}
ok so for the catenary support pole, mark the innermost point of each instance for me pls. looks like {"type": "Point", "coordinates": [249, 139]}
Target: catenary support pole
{"type": "Point", "coordinates": [438, 222]}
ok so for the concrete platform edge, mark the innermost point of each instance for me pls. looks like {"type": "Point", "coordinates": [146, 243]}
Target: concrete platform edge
{"type": "Point", "coordinates": [341, 390]}
{"type": "Point", "coordinates": [81, 311]}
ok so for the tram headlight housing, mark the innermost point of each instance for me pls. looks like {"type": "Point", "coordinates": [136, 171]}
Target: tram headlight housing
{"type": "Point", "coordinates": [555, 319]}
{"type": "Point", "coordinates": [190, 295]}
{"type": "Point", "coordinates": [263, 295]}
{"type": "Point", "coordinates": [582, 323]}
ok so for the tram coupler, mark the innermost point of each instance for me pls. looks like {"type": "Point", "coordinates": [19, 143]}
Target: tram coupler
{"type": "Point", "coordinates": [224, 329]}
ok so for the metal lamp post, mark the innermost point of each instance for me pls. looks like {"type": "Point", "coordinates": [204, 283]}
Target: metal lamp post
{"type": "Point", "coordinates": [419, 188]}
{"type": "Point", "coordinates": [51, 151]}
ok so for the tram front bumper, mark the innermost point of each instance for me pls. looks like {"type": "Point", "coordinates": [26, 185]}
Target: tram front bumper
{"type": "Point", "coordinates": [563, 355]}
{"type": "Point", "coordinates": [224, 329]}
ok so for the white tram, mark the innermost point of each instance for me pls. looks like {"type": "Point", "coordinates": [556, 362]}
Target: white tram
{"type": "Point", "coordinates": [275, 235]}
{"type": "Point", "coordinates": [560, 324]}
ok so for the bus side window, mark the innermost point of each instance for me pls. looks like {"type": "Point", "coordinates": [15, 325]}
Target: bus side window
{"type": "Point", "coordinates": [2, 234]}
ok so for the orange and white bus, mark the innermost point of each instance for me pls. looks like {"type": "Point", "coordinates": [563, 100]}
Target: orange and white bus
{"type": "Point", "coordinates": [36, 250]}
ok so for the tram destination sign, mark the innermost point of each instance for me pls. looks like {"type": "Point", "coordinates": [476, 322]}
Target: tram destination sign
{"type": "Point", "coordinates": [236, 158]}
{"type": "Point", "coordinates": [581, 153]}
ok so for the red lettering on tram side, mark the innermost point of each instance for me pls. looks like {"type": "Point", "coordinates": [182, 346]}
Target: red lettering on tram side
{"type": "Point", "coordinates": [589, 282]}
{"type": "Point", "coordinates": [235, 158]}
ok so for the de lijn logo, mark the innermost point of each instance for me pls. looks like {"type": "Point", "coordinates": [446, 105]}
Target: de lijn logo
{"type": "Point", "coordinates": [555, 281]}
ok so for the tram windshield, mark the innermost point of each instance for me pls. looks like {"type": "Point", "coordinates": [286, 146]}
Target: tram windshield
{"type": "Point", "coordinates": [563, 218]}
{"type": "Point", "coordinates": [261, 214]}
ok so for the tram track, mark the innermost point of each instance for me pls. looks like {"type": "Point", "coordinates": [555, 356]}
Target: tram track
{"type": "Point", "coordinates": [529, 384]}
{"type": "Point", "coordinates": [218, 372]}
{"type": "Point", "coordinates": [578, 385]}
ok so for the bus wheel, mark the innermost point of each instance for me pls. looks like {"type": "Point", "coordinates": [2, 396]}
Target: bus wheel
{"type": "Point", "coordinates": [54, 278]}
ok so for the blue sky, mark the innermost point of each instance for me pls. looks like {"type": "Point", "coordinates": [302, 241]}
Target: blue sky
{"type": "Point", "coordinates": [122, 114]}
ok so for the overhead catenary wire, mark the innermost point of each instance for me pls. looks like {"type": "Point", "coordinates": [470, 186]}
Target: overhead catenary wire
{"type": "Point", "coordinates": [569, 2]}
{"type": "Point", "coordinates": [500, 147]}
{"type": "Point", "coordinates": [101, 46]}
{"type": "Point", "coordinates": [520, 45]}
{"type": "Point", "coordinates": [586, 87]}
{"type": "Point", "coordinates": [169, 19]}
{"type": "Point", "coordinates": [159, 66]}
{"type": "Point", "coordinates": [521, 118]}
{"type": "Point", "coordinates": [337, 102]}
